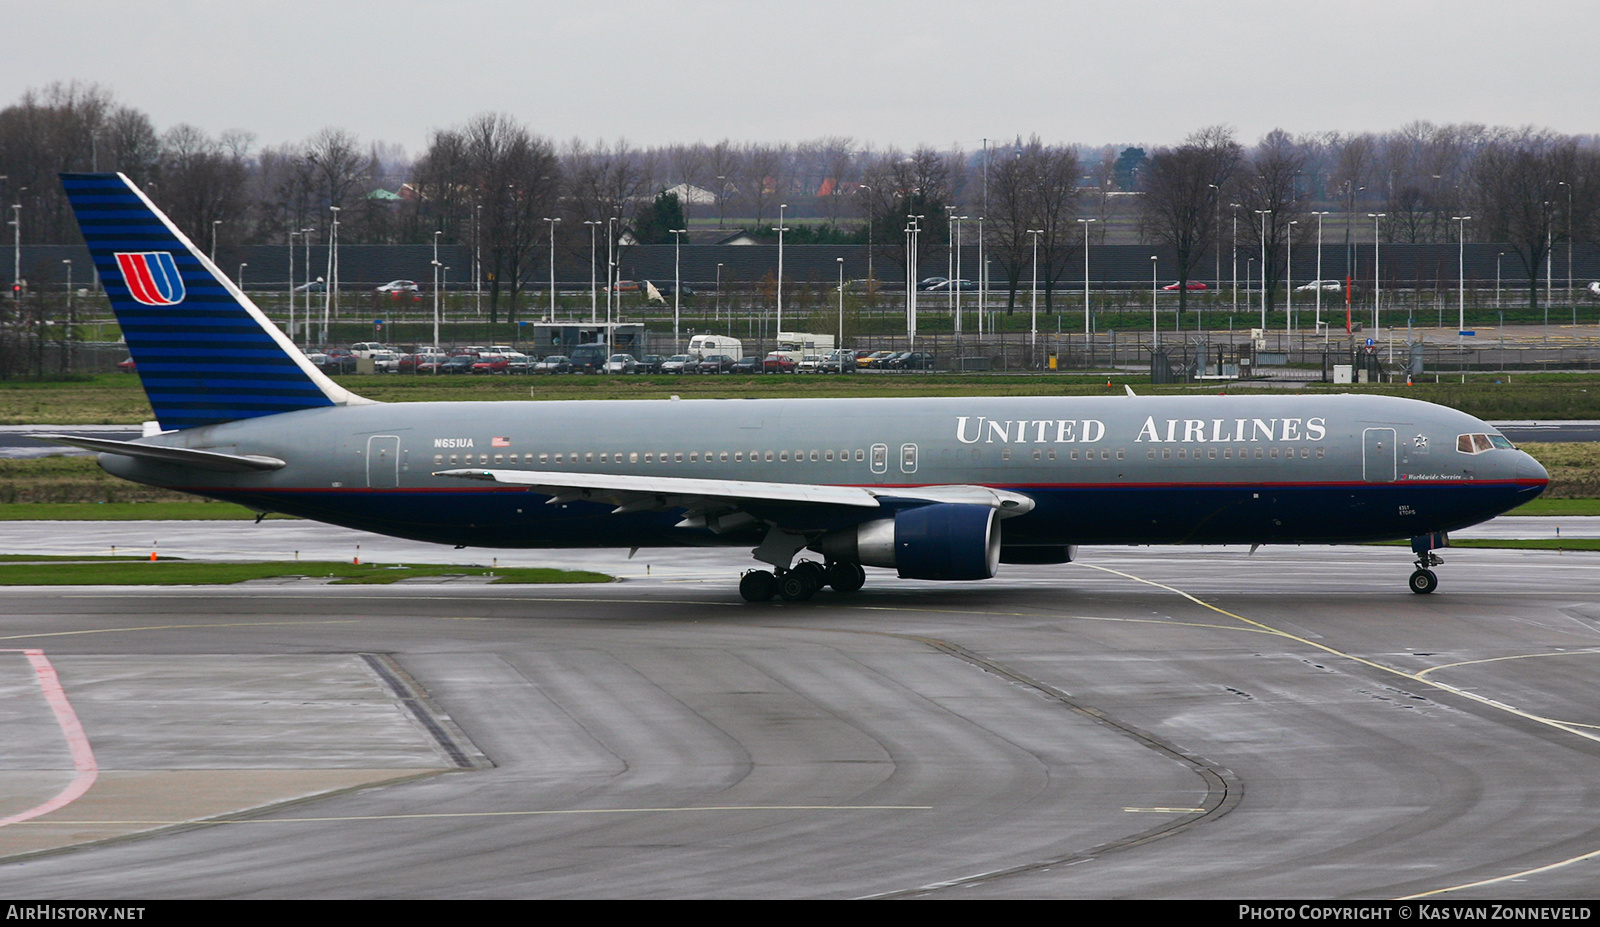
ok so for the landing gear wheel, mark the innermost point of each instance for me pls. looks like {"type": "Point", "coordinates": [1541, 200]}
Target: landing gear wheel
{"type": "Point", "coordinates": [1424, 582]}
{"type": "Point", "coordinates": [797, 585]}
{"type": "Point", "coordinates": [844, 576]}
{"type": "Point", "coordinates": [758, 586]}
{"type": "Point", "coordinates": [819, 575]}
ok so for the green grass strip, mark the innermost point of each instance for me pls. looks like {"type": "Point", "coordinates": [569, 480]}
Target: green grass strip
{"type": "Point", "coordinates": [139, 572]}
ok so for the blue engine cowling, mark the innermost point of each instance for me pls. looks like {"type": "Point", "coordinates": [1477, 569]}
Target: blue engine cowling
{"type": "Point", "coordinates": [941, 541]}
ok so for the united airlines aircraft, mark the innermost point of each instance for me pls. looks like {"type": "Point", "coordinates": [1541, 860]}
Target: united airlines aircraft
{"type": "Point", "coordinates": [935, 489]}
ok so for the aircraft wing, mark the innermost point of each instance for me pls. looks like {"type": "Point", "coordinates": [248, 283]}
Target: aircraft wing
{"type": "Point", "coordinates": [703, 497]}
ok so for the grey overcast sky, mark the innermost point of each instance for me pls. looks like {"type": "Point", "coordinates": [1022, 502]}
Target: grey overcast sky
{"type": "Point", "coordinates": [884, 72]}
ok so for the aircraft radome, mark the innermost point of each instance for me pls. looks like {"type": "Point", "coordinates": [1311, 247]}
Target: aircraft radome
{"type": "Point", "coordinates": [936, 489]}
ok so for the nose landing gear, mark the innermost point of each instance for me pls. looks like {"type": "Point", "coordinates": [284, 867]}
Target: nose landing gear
{"type": "Point", "coordinates": [1424, 581]}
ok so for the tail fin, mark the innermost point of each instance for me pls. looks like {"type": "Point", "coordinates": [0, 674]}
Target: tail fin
{"type": "Point", "coordinates": [203, 350]}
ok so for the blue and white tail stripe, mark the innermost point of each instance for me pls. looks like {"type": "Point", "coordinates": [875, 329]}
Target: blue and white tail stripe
{"type": "Point", "coordinates": [204, 352]}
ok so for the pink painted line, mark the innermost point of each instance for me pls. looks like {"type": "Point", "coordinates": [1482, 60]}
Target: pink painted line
{"type": "Point", "coordinates": [83, 761]}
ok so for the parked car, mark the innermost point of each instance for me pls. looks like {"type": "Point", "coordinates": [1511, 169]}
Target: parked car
{"type": "Point", "coordinates": [621, 363]}
{"type": "Point", "coordinates": [384, 361]}
{"type": "Point", "coordinates": [335, 363]}
{"type": "Point", "coordinates": [554, 363]}
{"type": "Point", "coordinates": [489, 362]}
{"type": "Point", "coordinates": [915, 360]}
{"type": "Point", "coordinates": [715, 363]}
{"type": "Point", "coordinates": [650, 363]}
{"type": "Point", "coordinates": [809, 363]}
{"type": "Point", "coordinates": [747, 364]}
{"type": "Point", "coordinates": [517, 362]}
{"type": "Point", "coordinates": [677, 363]}
{"type": "Point", "coordinates": [127, 366]}
{"type": "Point", "coordinates": [954, 285]}
{"type": "Point", "coordinates": [399, 286]}
{"type": "Point", "coordinates": [1327, 286]}
{"type": "Point", "coordinates": [419, 363]}
{"type": "Point", "coordinates": [461, 363]}
{"type": "Point", "coordinates": [874, 360]}
{"type": "Point", "coordinates": [1193, 285]}
{"type": "Point", "coordinates": [778, 362]}
{"type": "Point", "coordinates": [840, 361]}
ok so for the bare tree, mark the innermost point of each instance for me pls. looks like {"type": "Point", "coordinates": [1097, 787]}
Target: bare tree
{"type": "Point", "coordinates": [1183, 190]}
{"type": "Point", "coordinates": [1517, 184]}
{"type": "Point", "coordinates": [1271, 192]}
{"type": "Point", "coordinates": [202, 186]}
{"type": "Point", "coordinates": [519, 178]}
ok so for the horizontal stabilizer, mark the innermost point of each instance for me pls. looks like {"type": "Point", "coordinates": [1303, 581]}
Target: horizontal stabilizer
{"type": "Point", "coordinates": [204, 460]}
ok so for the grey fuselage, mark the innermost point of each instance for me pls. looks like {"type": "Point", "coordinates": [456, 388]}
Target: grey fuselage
{"type": "Point", "coordinates": [1101, 470]}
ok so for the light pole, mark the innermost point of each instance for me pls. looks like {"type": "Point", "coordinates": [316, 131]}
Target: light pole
{"type": "Point", "coordinates": [436, 266]}
{"type": "Point", "coordinates": [242, 266]}
{"type": "Point", "coordinates": [1155, 329]}
{"type": "Point", "coordinates": [677, 281]}
{"type": "Point", "coordinates": [214, 224]}
{"type": "Point", "coordinates": [477, 263]}
{"type": "Point", "coordinates": [1461, 272]}
{"type": "Point", "coordinates": [780, 230]}
{"type": "Point", "coordinates": [1085, 224]}
{"type": "Point", "coordinates": [333, 272]}
{"type": "Point", "coordinates": [955, 288]}
{"type": "Point", "coordinates": [305, 317]}
{"type": "Point", "coordinates": [292, 234]}
{"type": "Point", "coordinates": [1497, 280]}
{"type": "Point", "coordinates": [1216, 197]}
{"type": "Point", "coordinates": [1571, 301]}
{"type": "Point", "coordinates": [72, 319]}
{"type": "Point", "coordinates": [1033, 326]}
{"type": "Point", "coordinates": [840, 342]}
{"type": "Point", "coordinates": [611, 270]}
{"type": "Point", "coordinates": [871, 283]}
{"type": "Point", "coordinates": [1319, 216]}
{"type": "Point", "coordinates": [719, 299]}
{"type": "Point", "coordinates": [1263, 213]}
{"type": "Point", "coordinates": [1236, 208]}
{"type": "Point", "coordinates": [16, 253]}
{"type": "Point", "coordinates": [553, 223]}
{"type": "Point", "coordinates": [594, 294]}
{"type": "Point", "coordinates": [1377, 278]}
{"type": "Point", "coordinates": [1288, 277]}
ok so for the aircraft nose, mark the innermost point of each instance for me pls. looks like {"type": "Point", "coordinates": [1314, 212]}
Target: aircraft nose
{"type": "Point", "coordinates": [1530, 469]}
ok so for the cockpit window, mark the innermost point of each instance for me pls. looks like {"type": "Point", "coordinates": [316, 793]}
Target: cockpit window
{"type": "Point", "coordinates": [1477, 444]}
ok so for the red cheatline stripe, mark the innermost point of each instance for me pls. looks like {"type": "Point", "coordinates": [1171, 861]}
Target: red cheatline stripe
{"type": "Point", "coordinates": [83, 762]}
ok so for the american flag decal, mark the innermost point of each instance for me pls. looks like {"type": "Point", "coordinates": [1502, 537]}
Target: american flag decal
{"type": "Point", "coordinates": [499, 442]}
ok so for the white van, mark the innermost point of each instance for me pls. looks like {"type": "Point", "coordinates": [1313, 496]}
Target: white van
{"type": "Point", "coordinates": [703, 346]}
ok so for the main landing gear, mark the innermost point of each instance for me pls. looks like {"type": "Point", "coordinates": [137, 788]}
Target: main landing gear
{"type": "Point", "coordinates": [802, 581]}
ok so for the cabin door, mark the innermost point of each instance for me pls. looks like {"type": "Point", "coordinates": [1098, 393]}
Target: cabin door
{"type": "Point", "coordinates": [383, 462]}
{"type": "Point", "coordinates": [1378, 455]}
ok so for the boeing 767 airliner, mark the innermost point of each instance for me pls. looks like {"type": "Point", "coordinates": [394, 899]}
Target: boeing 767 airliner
{"type": "Point", "coordinates": [937, 489]}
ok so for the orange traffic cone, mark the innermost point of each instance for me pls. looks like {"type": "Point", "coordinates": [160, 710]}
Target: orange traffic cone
{"type": "Point", "coordinates": [152, 556]}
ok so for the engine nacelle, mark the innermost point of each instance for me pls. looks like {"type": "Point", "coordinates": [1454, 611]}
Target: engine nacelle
{"type": "Point", "coordinates": [941, 541]}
